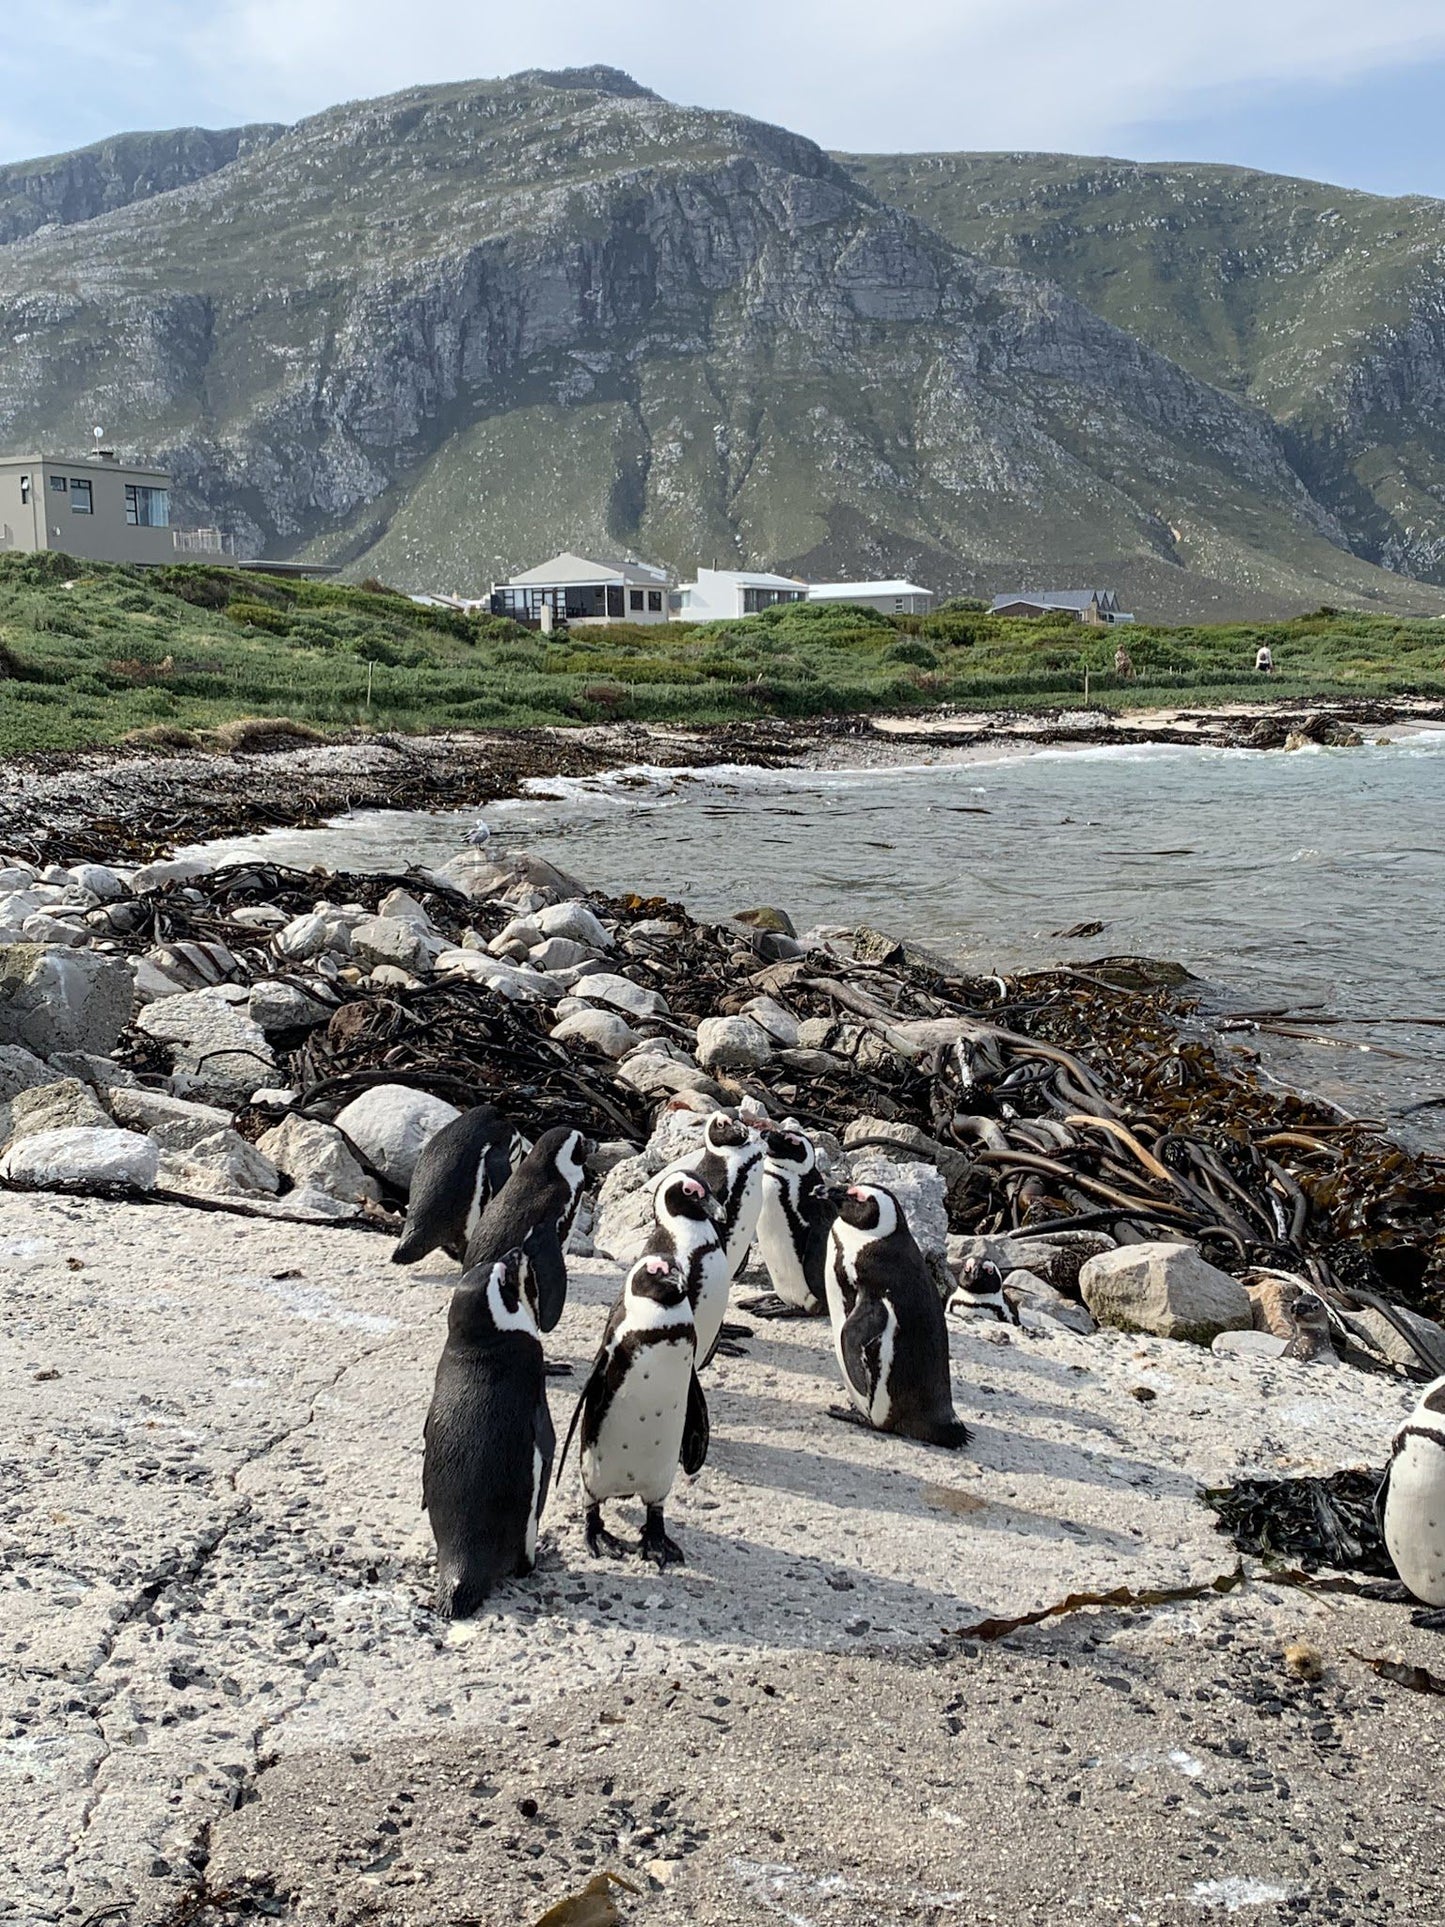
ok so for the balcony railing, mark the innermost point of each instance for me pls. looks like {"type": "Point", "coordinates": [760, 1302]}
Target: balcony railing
{"type": "Point", "coordinates": [203, 542]}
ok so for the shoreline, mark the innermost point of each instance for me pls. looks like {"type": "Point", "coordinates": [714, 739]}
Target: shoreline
{"type": "Point", "coordinates": [137, 805]}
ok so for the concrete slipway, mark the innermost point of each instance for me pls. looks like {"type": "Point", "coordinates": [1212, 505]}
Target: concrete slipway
{"type": "Point", "coordinates": [219, 1675]}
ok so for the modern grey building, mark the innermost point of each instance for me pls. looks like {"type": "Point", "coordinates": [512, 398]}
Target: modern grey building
{"type": "Point", "coordinates": [96, 507]}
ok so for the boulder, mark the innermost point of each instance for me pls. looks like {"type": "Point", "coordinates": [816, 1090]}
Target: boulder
{"type": "Point", "coordinates": [1038, 1306]}
{"type": "Point", "coordinates": [599, 1029]}
{"type": "Point", "coordinates": [765, 917]}
{"type": "Point", "coordinates": [813, 1063]}
{"type": "Point", "coordinates": [53, 926]}
{"type": "Point", "coordinates": [99, 881]}
{"type": "Point", "coordinates": [99, 1072]}
{"type": "Point", "coordinates": [22, 1070]}
{"type": "Point", "coordinates": [396, 940]}
{"type": "Point", "coordinates": [235, 1164]}
{"type": "Point", "coordinates": [653, 1074]}
{"type": "Point", "coordinates": [260, 916]}
{"type": "Point", "coordinates": [388, 977]}
{"type": "Point", "coordinates": [152, 983]}
{"type": "Point", "coordinates": [478, 875]}
{"type": "Point", "coordinates": [175, 1123]}
{"type": "Point", "coordinates": [403, 906]}
{"type": "Point", "coordinates": [514, 939]}
{"type": "Point", "coordinates": [511, 981]}
{"type": "Point", "coordinates": [279, 1006]}
{"type": "Point", "coordinates": [814, 1033]}
{"type": "Point", "coordinates": [217, 1051]}
{"type": "Point", "coordinates": [952, 1162]}
{"type": "Point", "coordinates": [1250, 1344]}
{"type": "Point", "coordinates": [316, 1156]}
{"type": "Point", "coordinates": [390, 1123]}
{"type": "Point", "coordinates": [1165, 1289]}
{"type": "Point", "coordinates": [780, 1024]}
{"type": "Point", "coordinates": [52, 1107]}
{"type": "Point", "coordinates": [1392, 1343]}
{"type": "Point", "coordinates": [732, 1044]}
{"type": "Point", "coordinates": [320, 932]}
{"type": "Point", "coordinates": [621, 994]}
{"type": "Point", "coordinates": [62, 999]}
{"type": "Point", "coordinates": [176, 869]}
{"type": "Point", "coordinates": [83, 1156]}
{"type": "Point", "coordinates": [623, 1219]}
{"type": "Point", "coordinates": [575, 921]}
{"type": "Point", "coordinates": [560, 953]}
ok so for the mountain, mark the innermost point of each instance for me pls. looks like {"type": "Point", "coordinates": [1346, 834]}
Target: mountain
{"type": "Point", "coordinates": [65, 188]}
{"type": "Point", "coordinates": [1322, 306]}
{"type": "Point", "coordinates": [440, 335]}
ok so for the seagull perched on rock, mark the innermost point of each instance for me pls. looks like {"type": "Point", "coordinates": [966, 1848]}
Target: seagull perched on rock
{"type": "Point", "coordinates": [478, 833]}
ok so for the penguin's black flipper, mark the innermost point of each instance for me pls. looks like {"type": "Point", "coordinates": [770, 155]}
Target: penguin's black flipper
{"type": "Point", "coordinates": [549, 1272]}
{"type": "Point", "coordinates": [544, 1438]}
{"type": "Point", "coordinates": [860, 1343]}
{"type": "Point", "coordinates": [696, 1431]}
{"type": "Point", "coordinates": [1382, 1493]}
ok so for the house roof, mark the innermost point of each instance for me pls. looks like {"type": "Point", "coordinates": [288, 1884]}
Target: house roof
{"type": "Point", "coordinates": [752, 578]}
{"type": "Point", "coordinates": [570, 571]}
{"type": "Point", "coordinates": [1055, 598]}
{"type": "Point", "coordinates": [848, 591]}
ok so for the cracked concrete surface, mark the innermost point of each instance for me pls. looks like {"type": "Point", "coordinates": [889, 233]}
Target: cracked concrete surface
{"type": "Point", "coordinates": [218, 1664]}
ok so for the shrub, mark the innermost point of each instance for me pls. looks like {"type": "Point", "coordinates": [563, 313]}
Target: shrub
{"type": "Point", "coordinates": [258, 615]}
{"type": "Point", "coordinates": [917, 654]}
{"type": "Point", "coordinates": [160, 736]}
{"type": "Point", "coordinates": [254, 735]}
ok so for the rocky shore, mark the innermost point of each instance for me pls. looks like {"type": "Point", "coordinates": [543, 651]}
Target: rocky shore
{"type": "Point", "coordinates": [224, 1692]}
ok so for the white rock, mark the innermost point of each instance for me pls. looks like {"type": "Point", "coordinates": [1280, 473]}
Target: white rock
{"type": "Point", "coordinates": [217, 1051]}
{"type": "Point", "coordinates": [508, 980]}
{"type": "Point", "coordinates": [394, 940]}
{"type": "Point", "coordinates": [390, 1123]}
{"type": "Point", "coordinates": [1038, 1305]}
{"type": "Point", "coordinates": [68, 1105]}
{"type": "Point", "coordinates": [236, 1164]}
{"type": "Point", "coordinates": [404, 907]}
{"type": "Point", "coordinates": [46, 926]}
{"type": "Point", "coordinates": [732, 1043]}
{"type": "Point", "coordinates": [602, 1030]}
{"type": "Point", "coordinates": [317, 1156]}
{"type": "Point", "coordinates": [174, 1122]}
{"type": "Point", "coordinates": [576, 921]}
{"type": "Point", "coordinates": [388, 977]}
{"type": "Point", "coordinates": [1389, 1340]}
{"type": "Point", "coordinates": [99, 879]}
{"type": "Point", "coordinates": [651, 1074]}
{"type": "Point", "coordinates": [153, 983]}
{"type": "Point", "coordinates": [178, 869]}
{"type": "Point", "coordinates": [521, 934]}
{"type": "Point", "coordinates": [315, 934]}
{"type": "Point", "coordinates": [15, 876]}
{"type": "Point", "coordinates": [63, 999]}
{"type": "Point", "coordinates": [260, 916]}
{"type": "Point", "coordinates": [83, 1156]}
{"type": "Point", "coordinates": [654, 927]}
{"type": "Point", "coordinates": [621, 993]}
{"type": "Point", "coordinates": [1237, 1344]}
{"type": "Point", "coordinates": [780, 1024]}
{"type": "Point", "coordinates": [282, 1006]}
{"type": "Point", "coordinates": [1165, 1289]}
{"type": "Point", "coordinates": [560, 953]}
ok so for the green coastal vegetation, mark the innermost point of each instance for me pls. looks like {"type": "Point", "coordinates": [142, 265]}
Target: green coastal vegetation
{"type": "Point", "coordinates": [94, 654]}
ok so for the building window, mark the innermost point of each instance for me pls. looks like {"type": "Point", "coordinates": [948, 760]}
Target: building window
{"type": "Point", "coordinates": [80, 498]}
{"type": "Point", "coordinates": [654, 601]}
{"type": "Point", "coordinates": [634, 598]}
{"type": "Point", "coordinates": [25, 491]}
{"type": "Point", "coordinates": [59, 484]}
{"type": "Point", "coordinates": [147, 508]}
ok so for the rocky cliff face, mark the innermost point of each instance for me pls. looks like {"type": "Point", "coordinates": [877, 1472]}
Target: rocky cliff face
{"type": "Point", "coordinates": [441, 334]}
{"type": "Point", "coordinates": [1324, 307]}
{"type": "Point", "coordinates": [66, 188]}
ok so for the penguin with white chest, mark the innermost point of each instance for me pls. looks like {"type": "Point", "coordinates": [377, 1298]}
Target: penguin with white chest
{"type": "Point", "coordinates": [730, 1163]}
{"type": "Point", "coordinates": [461, 1169]}
{"type": "Point", "coordinates": [533, 1213]}
{"type": "Point", "coordinates": [794, 1218]}
{"type": "Point", "coordinates": [634, 1404]}
{"type": "Point", "coordinates": [488, 1438]}
{"type": "Point", "coordinates": [1411, 1501]}
{"type": "Point", "coordinates": [686, 1231]}
{"type": "Point", "coordinates": [888, 1325]}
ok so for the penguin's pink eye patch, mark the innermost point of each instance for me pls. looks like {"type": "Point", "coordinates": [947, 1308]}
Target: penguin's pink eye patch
{"type": "Point", "coordinates": [857, 1191]}
{"type": "Point", "coordinates": [658, 1267]}
{"type": "Point", "coordinates": [692, 1189]}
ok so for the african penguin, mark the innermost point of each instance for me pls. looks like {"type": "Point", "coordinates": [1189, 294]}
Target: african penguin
{"type": "Point", "coordinates": [488, 1438]}
{"type": "Point", "coordinates": [730, 1163]}
{"type": "Point", "coordinates": [634, 1404]}
{"type": "Point", "coordinates": [461, 1168]}
{"type": "Point", "coordinates": [685, 1230]}
{"type": "Point", "coordinates": [980, 1289]}
{"type": "Point", "coordinates": [888, 1325]}
{"type": "Point", "coordinates": [1411, 1502]}
{"type": "Point", "coordinates": [534, 1211]}
{"type": "Point", "coordinates": [794, 1219]}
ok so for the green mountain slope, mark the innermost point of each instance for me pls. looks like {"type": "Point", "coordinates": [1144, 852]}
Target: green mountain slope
{"type": "Point", "coordinates": [439, 335]}
{"type": "Point", "coordinates": [1323, 306]}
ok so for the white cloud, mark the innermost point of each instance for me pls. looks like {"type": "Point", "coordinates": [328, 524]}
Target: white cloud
{"type": "Point", "coordinates": [910, 74]}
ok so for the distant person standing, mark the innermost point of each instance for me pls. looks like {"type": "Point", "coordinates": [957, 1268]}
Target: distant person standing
{"type": "Point", "coordinates": [1264, 660]}
{"type": "Point", "coordinates": [1123, 663]}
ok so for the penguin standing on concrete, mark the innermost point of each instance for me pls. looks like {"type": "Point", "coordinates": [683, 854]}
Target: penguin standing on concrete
{"type": "Point", "coordinates": [686, 1232]}
{"type": "Point", "coordinates": [730, 1163]}
{"type": "Point", "coordinates": [533, 1212]}
{"type": "Point", "coordinates": [1411, 1501]}
{"type": "Point", "coordinates": [794, 1219]}
{"type": "Point", "coordinates": [888, 1325]}
{"type": "Point", "coordinates": [634, 1405]}
{"type": "Point", "coordinates": [461, 1169]}
{"type": "Point", "coordinates": [488, 1438]}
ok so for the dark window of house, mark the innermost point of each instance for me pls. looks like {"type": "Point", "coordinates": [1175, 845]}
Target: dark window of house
{"type": "Point", "coordinates": [59, 484]}
{"type": "Point", "coordinates": [80, 500]}
{"type": "Point", "coordinates": [614, 600]}
{"type": "Point", "coordinates": [654, 601]}
{"type": "Point", "coordinates": [634, 598]}
{"type": "Point", "coordinates": [147, 508]}
{"type": "Point", "coordinates": [24, 491]}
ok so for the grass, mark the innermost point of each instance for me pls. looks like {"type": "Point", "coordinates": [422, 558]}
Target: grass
{"type": "Point", "coordinates": [92, 654]}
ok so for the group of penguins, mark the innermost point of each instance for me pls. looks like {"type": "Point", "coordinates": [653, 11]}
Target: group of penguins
{"type": "Point", "coordinates": [504, 1210]}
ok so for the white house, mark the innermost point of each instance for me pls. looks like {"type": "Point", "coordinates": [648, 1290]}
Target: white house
{"type": "Point", "coordinates": [719, 594]}
{"type": "Point", "coordinates": [889, 598]}
{"type": "Point", "coordinates": [577, 588]}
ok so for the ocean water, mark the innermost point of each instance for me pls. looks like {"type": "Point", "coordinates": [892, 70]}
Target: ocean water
{"type": "Point", "coordinates": [1313, 881]}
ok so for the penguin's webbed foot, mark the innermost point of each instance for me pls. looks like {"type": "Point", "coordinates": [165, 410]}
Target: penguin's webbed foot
{"type": "Point", "coordinates": [1431, 1620]}
{"type": "Point", "coordinates": [849, 1415]}
{"type": "Point", "coordinates": [771, 1306]}
{"type": "Point", "coordinates": [557, 1368]}
{"type": "Point", "coordinates": [728, 1348]}
{"type": "Point", "coordinates": [729, 1328]}
{"type": "Point", "coordinates": [656, 1546]}
{"type": "Point", "coordinates": [599, 1539]}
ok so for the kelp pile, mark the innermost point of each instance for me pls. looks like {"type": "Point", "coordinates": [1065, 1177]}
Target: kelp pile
{"type": "Point", "coordinates": [1065, 1099]}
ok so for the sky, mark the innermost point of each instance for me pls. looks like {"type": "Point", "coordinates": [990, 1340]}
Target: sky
{"type": "Point", "coordinates": [1330, 89]}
